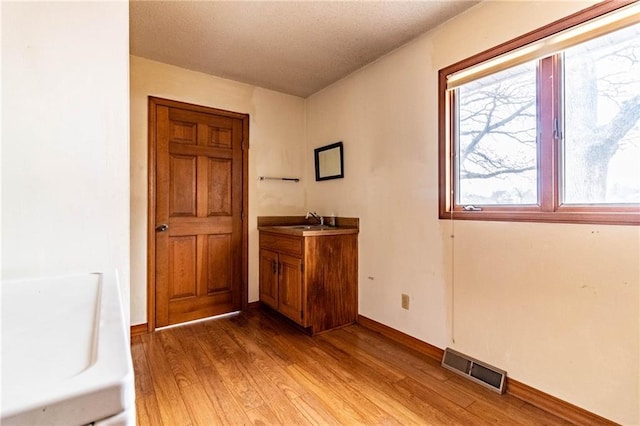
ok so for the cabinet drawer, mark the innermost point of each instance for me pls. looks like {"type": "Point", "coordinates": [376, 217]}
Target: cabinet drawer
{"type": "Point", "coordinates": [291, 245]}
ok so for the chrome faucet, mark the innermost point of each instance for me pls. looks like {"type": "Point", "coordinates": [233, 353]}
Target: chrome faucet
{"type": "Point", "coordinates": [317, 216]}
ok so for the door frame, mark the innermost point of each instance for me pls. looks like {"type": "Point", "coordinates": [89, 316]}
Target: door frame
{"type": "Point", "coordinates": [154, 102]}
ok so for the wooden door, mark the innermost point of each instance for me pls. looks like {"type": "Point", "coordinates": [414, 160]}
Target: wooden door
{"type": "Point", "coordinates": [269, 278]}
{"type": "Point", "coordinates": [290, 287]}
{"type": "Point", "coordinates": [200, 233]}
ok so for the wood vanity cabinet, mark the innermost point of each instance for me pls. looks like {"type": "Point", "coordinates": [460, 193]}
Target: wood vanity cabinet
{"type": "Point", "coordinates": [281, 283]}
{"type": "Point", "coordinates": [313, 280]}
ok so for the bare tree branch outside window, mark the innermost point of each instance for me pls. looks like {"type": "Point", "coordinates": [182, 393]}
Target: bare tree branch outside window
{"type": "Point", "coordinates": [497, 138]}
{"type": "Point", "coordinates": [497, 135]}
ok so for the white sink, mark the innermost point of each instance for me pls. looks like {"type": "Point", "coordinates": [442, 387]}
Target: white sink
{"type": "Point", "coordinates": [308, 227]}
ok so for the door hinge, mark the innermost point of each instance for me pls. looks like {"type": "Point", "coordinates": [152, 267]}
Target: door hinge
{"type": "Point", "coordinates": [242, 144]}
{"type": "Point", "coordinates": [241, 215]}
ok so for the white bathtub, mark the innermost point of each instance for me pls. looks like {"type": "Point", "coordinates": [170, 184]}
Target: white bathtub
{"type": "Point", "coordinates": [66, 358]}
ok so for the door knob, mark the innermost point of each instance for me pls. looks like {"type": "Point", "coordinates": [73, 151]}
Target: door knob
{"type": "Point", "coordinates": [162, 228]}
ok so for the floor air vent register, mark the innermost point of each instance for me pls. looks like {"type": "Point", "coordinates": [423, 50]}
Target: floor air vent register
{"type": "Point", "coordinates": [477, 371]}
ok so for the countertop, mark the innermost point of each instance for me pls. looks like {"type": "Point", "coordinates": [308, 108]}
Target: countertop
{"type": "Point", "coordinates": [303, 230]}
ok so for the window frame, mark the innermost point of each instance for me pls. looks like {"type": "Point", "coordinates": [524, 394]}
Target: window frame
{"type": "Point", "coordinates": [549, 207]}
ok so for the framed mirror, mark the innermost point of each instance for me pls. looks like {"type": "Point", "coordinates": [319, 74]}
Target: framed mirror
{"type": "Point", "coordinates": [329, 162]}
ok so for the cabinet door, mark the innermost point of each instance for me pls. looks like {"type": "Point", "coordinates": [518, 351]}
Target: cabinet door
{"type": "Point", "coordinates": [269, 278]}
{"type": "Point", "coordinates": [291, 289]}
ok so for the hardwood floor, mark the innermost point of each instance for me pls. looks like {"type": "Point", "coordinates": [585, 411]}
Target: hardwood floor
{"type": "Point", "coordinates": [256, 368]}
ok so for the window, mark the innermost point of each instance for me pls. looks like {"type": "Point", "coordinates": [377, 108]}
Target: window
{"type": "Point", "coordinates": [547, 127]}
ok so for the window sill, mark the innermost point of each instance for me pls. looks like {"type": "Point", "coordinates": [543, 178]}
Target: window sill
{"type": "Point", "coordinates": [620, 218]}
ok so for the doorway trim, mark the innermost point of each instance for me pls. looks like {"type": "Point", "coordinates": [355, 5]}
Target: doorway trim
{"type": "Point", "coordinates": [154, 102]}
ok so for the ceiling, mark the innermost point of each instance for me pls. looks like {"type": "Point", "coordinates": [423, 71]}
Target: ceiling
{"type": "Point", "coordinates": [294, 47]}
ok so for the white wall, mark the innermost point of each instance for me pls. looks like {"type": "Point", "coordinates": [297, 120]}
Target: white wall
{"type": "Point", "coordinates": [276, 131]}
{"type": "Point", "coordinates": [555, 305]}
{"type": "Point", "coordinates": [65, 139]}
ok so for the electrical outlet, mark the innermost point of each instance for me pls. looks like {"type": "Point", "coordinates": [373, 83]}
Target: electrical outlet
{"type": "Point", "coordinates": [405, 301]}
